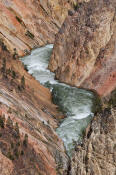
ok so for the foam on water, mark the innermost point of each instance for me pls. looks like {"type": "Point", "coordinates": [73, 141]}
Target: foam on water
{"type": "Point", "coordinates": [75, 103]}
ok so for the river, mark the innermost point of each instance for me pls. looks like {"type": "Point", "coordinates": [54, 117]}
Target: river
{"type": "Point", "coordinates": [77, 104]}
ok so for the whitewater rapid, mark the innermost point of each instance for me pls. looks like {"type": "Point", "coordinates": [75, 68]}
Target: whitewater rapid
{"type": "Point", "coordinates": [77, 104]}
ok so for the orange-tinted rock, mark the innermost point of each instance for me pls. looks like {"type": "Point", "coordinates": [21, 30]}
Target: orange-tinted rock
{"type": "Point", "coordinates": [84, 50]}
{"type": "Point", "coordinates": [97, 154]}
{"type": "Point", "coordinates": [28, 24]}
{"type": "Point", "coordinates": [31, 107]}
{"type": "Point", "coordinates": [6, 165]}
{"type": "Point", "coordinates": [103, 76]}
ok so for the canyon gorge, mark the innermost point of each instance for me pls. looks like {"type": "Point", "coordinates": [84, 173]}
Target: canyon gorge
{"type": "Point", "coordinates": [84, 50]}
{"type": "Point", "coordinates": [83, 34]}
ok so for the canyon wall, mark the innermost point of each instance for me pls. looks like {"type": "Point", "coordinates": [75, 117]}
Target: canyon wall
{"type": "Point", "coordinates": [97, 154]}
{"type": "Point", "coordinates": [24, 103]}
{"type": "Point", "coordinates": [84, 53]}
{"type": "Point", "coordinates": [32, 23]}
{"type": "Point", "coordinates": [28, 142]}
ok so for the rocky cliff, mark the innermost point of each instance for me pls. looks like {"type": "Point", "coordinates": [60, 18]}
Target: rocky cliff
{"type": "Point", "coordinates": [97, 154]}
{"type": "Point", "coordinates": [32, 23]}
{"type": "Point", "coordinates": [84, 53]}
{"type": "Point", "coordinates": [28, 118]}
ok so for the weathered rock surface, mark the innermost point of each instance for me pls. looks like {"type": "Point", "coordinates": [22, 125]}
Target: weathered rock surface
{"type": "Point", "coordinates": [6, 165]}
{"type": "Point", "coordinates": [29, 104]}
{"type": "Point", "coordinates": [84, 53]}
{"type": "Point", "coordinates": [97, 155]}
{"type": "Point", "coordinates": [31, 23]}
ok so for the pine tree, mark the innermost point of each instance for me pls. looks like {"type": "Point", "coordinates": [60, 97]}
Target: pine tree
{"type": "Point", "coordinates": [23, 82]}
{"type": "Point", "coordinates": [25, 141]}
{"type": "Point", "coordinates": [1, 122]}
{"type": "Point", "coordinates": [3, 69]}
{"type": "Point", "coordinates": [16, 128]}
{"type": "Point", "coordinates": [9, 123]}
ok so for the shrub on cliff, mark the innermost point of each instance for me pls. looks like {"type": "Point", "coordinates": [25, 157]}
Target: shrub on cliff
{"type": "Point", "coordinates": [1, 122]}
{"type": "Point", "coordinates": [112, 100]}
{"type": "Point", "coordinates": [9, 123]}
{"type": "Point", "coordinates": [3, 69]}
{"type": "Point", "coordinates": [15, 55]}
{"type": "Point", "coordinates": [16, 128]}
{"type": "Point", "coordinates": [23, 82]}
{"type": "Point", "coordinates": [13, 74]}
{"type": "Point", "coordinates": [3, 45]}
{"type": "Point", "coordinates": [29, 34]}
{"type": "Point", "coordinates": [25, 141]}
{"type": "Point", "coordinates": [10, 156]}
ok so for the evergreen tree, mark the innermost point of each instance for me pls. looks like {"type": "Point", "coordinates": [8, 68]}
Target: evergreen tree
{"type": "Point", "coordinates": [13, 74]}
{"type": "Point", "coordinates": [3, 69]}
{"type": "Point", "coordinates": [1, 122]}
{"type": "Point", "coordinates": [23, 82]}
{"type": "Point", "coordinates": [25, 141]}
{"type": "Point", "coordinates": [16, 128]}
{"type": "Point", "coordinates": [15, 55]}
{"type": "Point", "coordinates": [9, 123]}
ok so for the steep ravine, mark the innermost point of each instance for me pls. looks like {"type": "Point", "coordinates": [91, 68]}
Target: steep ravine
{"type": "Point", "coordinates": [95, 154]}
{"type": "Point", "coordinates": [29, 104]}
{"type": "Point", "coordinates": [77, 104]}
{"type": "Point", "coordinates": [29, 144]}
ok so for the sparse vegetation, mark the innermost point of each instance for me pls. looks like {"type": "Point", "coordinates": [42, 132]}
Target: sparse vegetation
{"type": "Point", "coordinates": [3, 69]}
{"type": "Point", "coordinates": [22, 152]}
{"type": "Point", "coordinates": [9, 110]}
{"type": "Point", "coordinates": [9, 123]}
{"type": "Point", "coordinates": [3, 45]}
{"type": "Point", "coordinates": [12, 145]}
{"type": "Point", "coordinates": [13, 74]}
{"type": "Point", "coordinates": [19, 20]}
{"type": "Point", "coordinates": [10, 156]}
{"type": "Point", "coordinates": [25, 67]}
{"type": "Point", "coordinates": [16, 128]}
{"type": "Point", "coordinates": [1, 122]}
{"type": "Point", "coordinates": [29, 34]}
{"type": "Point", "coordinates": [25, 141]}
{"type": "Point", "coordinates": [15, 55]}
{"type": "Point", "coordinates": [23, 82]}
{"type": "Point", "coordinates": [112, 101]}
{"type": "Point", "coordinates": [16, 152]}
{"type": "Point", "coordinates": [74, 4]}
{"type": "Point", "coordinates": [15, 145]}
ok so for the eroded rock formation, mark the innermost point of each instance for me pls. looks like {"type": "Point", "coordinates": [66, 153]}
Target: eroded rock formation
{"type": "Point", "coordinates": [28, 24]}
{"type": "Point", "coordinates": [97, 154]}
{"type": "Point", "coordinates": [25, 101]}
{"type": "Point", "coordinates": [84, 53]}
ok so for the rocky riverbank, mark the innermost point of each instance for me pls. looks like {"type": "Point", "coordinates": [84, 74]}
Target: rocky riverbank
{"type": "Point", "coordinates": [97, 154]}
{"type": "Point", "coordinates": [84, 55]}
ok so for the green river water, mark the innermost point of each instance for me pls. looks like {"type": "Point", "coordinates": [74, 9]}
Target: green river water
{"type": "Point", "coordinates": [77, 104]}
